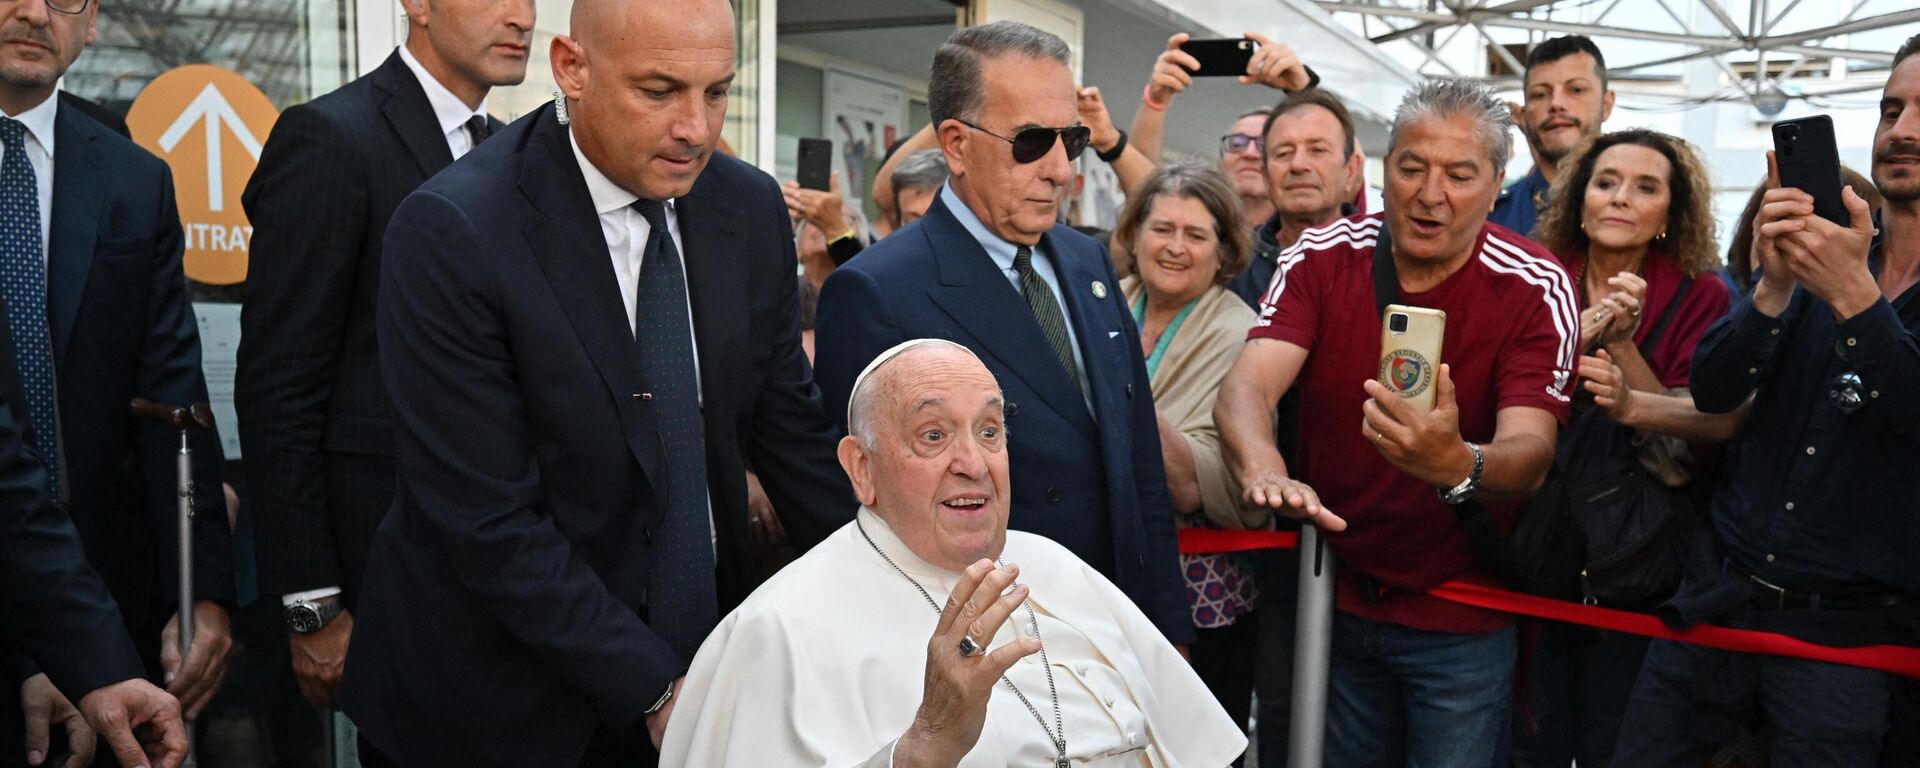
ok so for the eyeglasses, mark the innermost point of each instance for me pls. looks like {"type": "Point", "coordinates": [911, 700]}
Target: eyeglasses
{"type": "Point", "coordinates": [69, 7]}
{"type": "Point", "coordinates": [1031, 144]}
{"type": "Point", "coordinates": [1235, 143]}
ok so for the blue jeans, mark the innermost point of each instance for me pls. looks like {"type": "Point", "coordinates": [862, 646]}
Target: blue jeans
{"type": "Point", "coordinates": [1450, 694]}
{"type": "Point", "coordinates": [1578, 682]}
{"type": "Point", "coordinates": [1821, 714]}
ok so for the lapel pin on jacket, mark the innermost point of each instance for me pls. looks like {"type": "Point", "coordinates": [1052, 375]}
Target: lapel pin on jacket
{"type": "Point", "coordinates": [1099, 289]}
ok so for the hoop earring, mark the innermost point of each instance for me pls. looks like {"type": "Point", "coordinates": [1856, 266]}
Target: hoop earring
{"type": "Point", "coordinates": [560, 108]}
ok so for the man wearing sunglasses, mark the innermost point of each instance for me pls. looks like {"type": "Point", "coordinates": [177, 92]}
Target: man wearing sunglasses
{"type": "Point", "coordinates": [97, 311]}
{"type": "Point", "coordinates": [990, 267]}
{"type": "Point", "coordinates": [1817, 532]}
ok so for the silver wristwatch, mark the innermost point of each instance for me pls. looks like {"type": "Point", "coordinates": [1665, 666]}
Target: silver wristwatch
{"type": "Point", "coordinates": [307, 617]}
{"type": "Point", "coordinates": [1465, 489]}
{"type": "Point", "coordinates": [660, 702]}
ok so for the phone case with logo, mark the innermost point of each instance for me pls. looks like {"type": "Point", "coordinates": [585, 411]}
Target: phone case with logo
{"type": "Point", "coordinates": [1410, 359]}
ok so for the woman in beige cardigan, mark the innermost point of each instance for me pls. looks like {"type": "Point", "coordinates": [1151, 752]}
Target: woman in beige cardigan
{"type": "Point", "coordinates": [1182, 237]}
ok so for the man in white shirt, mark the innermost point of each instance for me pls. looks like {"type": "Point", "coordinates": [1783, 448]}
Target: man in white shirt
{"type": "Point", "coordinates": [315, 421]}
{"type": "Point", "coordinates": [587, 327]}
{"type": "Point", "coordinates": [925, 634]}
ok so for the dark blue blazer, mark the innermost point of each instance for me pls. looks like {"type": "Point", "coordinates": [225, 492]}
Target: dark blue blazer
{"type": "Point", "coordinates": [504, 619]}
{"type": "Point", "coordinates": [123, 327]}
{"type": "Point", "coordinates": [1096, 486]}
{"type": "Point", "coordinates": [314, 418]}
{"type": "Point", "coordinates": [55, 612]}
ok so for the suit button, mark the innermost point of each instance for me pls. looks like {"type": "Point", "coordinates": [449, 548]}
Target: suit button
{"type": "Point", "coordinates": [1129, 391]}
{"type": "Point", "coordinates": [1053, 495]}
{"type": "Point", "coordinates": [646, 535]}
{"type": "Point", "coordinates": [1013, 408]}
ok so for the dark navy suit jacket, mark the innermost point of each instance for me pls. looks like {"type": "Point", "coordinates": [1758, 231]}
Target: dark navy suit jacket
{"type": "Point", "coordinates": [504, 619]}
{"type": "Point", "coordinates": [1094, 482]}
{"type": "Point", "coordinates": [123, 327]}
{"type": "Point", "coordinates": [315, 422]}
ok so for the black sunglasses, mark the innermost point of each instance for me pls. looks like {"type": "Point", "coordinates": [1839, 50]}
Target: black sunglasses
{"type": "Point", "coordinates": [1031, 144]}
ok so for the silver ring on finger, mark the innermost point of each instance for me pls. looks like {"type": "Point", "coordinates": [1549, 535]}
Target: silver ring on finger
{"type": "Point", "coordinates": [968, 647]}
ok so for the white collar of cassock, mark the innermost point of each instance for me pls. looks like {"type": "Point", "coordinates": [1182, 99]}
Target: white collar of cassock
{"type": "Point", "coordinates": [937, 581]}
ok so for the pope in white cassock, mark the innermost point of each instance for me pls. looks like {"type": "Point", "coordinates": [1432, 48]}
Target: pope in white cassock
{"type": "Point", "coordinates": [1034, 659]}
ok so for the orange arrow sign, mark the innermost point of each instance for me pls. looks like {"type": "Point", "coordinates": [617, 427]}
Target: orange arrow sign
{"type": "Point", "coordinates": [208, 176]}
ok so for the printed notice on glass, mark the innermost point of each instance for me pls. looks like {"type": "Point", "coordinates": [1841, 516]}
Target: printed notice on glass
{"type": "Point", "coordinates": [219, 347]}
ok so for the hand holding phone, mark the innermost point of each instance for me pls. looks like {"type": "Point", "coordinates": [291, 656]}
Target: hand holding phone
{"type": "Point", "coordinates": [1809, 161]}
{"type": "Point", "coordinates": [1410, 341]}
{"type": "Point", "coordinates": [1226, 57]}
{"type": "Point", "coordinates": [1411, 415]}
{"type": "Point", "coordinates": [815, 163]}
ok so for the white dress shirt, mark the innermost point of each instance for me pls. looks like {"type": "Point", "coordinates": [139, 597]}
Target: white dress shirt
{"type": "Point", "coordinates": [448, 109]}
{"type": "Point", "coordinates": [451, 115]}
{"type": "Point", "coordinates": [1002, 253]}
{"type": "Point", "coordinates": [39, 144]}
{"type": "Point", "coordinates": [626, 233]}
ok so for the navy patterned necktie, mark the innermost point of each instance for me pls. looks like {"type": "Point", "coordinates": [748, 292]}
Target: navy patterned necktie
{"type": "Point", "coordinates": [682, 606]}
{"type": "Point", "coordinates": [478, 129]}
{"type": "Point", "coordinates": [23, 283]}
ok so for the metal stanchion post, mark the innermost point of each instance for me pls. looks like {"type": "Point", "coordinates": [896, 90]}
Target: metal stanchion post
{"type": "Point", "coordinates": [184, 419]}
{"type": "Point", "coordinates": [1312, 653]}
{"type": "Point", "coordinates": [184, 465]}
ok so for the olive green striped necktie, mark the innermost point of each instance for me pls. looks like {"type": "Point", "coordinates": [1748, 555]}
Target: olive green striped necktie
{"type": "Point", "coordinates": [1046, 309]}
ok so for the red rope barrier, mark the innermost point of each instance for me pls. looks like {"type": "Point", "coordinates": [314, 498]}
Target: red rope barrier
{"type": "Point", "coordinates": [1213, 541]}
{"type": "Point", "coordinates": [1899, 660]}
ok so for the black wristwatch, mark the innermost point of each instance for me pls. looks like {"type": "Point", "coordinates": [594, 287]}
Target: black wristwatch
{"type": "Point", "coordinates": [1113, 154]}
{"type": "Point", "coordinates": [307, 617]}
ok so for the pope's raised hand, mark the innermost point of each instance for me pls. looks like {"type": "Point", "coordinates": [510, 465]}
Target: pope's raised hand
{"type": "Point", "coordinates": [953, 704]}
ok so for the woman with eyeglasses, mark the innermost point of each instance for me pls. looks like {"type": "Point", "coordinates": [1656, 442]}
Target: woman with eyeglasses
{"type": "Point", "coordinates": [1182, 237]}
{"type": "Point", "coordinates": [1631, 220]}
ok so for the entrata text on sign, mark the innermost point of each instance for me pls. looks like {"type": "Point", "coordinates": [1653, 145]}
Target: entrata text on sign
{"type": "Point", "coordinates": [208, 124]}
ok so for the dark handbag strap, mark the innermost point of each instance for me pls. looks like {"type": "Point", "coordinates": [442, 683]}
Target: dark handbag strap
{"type": "Point", "coordinates": [1482, 535]}
{"type": "Point", "coordinates": [1666, 318]}
{"type": "Point", "coordinates": [1386, 280]}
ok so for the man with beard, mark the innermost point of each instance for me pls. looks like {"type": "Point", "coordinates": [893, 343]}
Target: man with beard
{"type": "Point", "coordinates": [1567, 99]}
{"type": "Point", "coordinates": [1818, 531]}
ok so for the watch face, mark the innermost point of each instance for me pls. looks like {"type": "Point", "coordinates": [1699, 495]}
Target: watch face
{"type": "Point", "coordinates": [302, 618]}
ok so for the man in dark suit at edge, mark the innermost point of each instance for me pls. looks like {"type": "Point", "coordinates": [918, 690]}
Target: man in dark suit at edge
{"type": "Point", "coordinates": [989, 267]}
{"type": "Point", "coordinates": [97, 311]}
{"type": "Point", "coordinates": [315, 423]}
{"type": "Point", "coordinates": [581, 325]}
